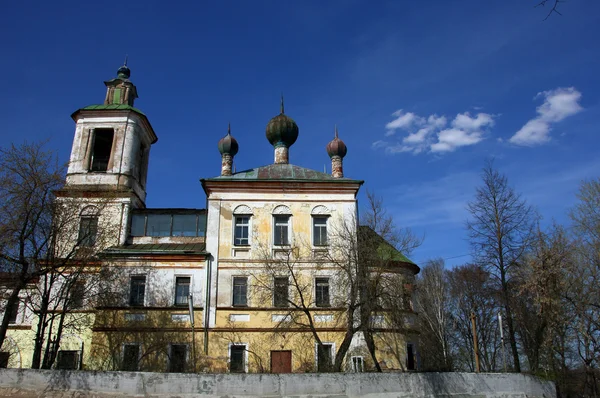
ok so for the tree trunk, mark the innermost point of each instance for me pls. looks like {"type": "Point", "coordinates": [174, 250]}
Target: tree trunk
{"type": "Point", "coordinates": [12, 300]}
{"type": "Point", "coordinates": [371, 346]}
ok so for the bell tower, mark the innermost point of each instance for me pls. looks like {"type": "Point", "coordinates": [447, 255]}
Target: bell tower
{"type": "Point", "coordinates": [108, 166]}
{"type": "Point", "coordinates": [112, 142]}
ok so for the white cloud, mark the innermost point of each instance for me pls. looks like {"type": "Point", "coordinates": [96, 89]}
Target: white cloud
{"type": "Point", "coordinates": [558, 105]}
{"type": "Point", "coordinates": [430, 133]}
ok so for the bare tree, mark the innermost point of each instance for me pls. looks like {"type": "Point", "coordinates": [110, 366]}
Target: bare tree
{"type": "Point", "coordinates": [29, 175]}
{"type": "Point", "coordinates": [433, 307]}
{"type": "Point", "coordinates": [500, 230]}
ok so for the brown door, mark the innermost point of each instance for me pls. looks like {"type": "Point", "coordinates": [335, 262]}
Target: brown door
{"type": "Point", "coordinates": [281, 362]}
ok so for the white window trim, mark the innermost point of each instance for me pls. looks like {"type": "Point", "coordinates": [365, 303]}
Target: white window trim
{"type": "Point", "coordinates": [273, 290]}
{"type": "Point", "coordinates": [235, 216]}
{"type": "Point", "coordinates": [174, 295]}
{"type": "Point", "coordinates": [289, 230]}
{"type": "Point", "coordinates": [362, 360]}
{"type": "Point", "coordinates": [245, 356]}
{"type": "Point", "coordinates": [333, 351]}
{"type": "Point", "coordinates": [312, 231]}
{"type": "Point", "coordinates": [247, 290]}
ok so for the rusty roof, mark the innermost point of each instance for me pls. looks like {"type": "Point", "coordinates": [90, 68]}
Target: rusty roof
{"type": "Point", "coordinates": [282, 172]}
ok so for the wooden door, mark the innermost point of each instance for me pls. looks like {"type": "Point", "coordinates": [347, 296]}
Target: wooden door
{"type": "Point", "coordinates": [281, 361]}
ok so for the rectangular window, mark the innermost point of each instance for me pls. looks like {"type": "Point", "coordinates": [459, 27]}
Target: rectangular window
{"type": "Point", "coordinates": [281, 232]}
{"type": "Point", "coordinates": [240, 291]}
{"type": "Point", "coordinates": [241, 230]}
{"type": "Point", "coordinates": [322, 292]}
{"type": "Point", "coordinates": [102, 147]}
{"type": "Point", "coordinates": [138, 290]}
{"type": "Point", "coordinates": [237, 359]}
{"type": "Point", "coordinates": [67, 360]}
{"type": "Point", "coordinates": [131, 356]}
{"type": "Point", "coordinates": [320, 231]}
{"type": "Point", "coordinates": [158, 225]}
{"type": "Point", "coordinates": [76, 295]}
{"type": "Point", "coordinates": [88, 229]}
{"type": "Point", "coordinates": [13, 312]}
{"type": "Point", "coordinates": [410, 357]}
{"type": "Point", "coordinates": [4, 357]}
{"type": "Point", "coordinates": [185, 225]}
{"type": "Point", "coordinates": [138, 225]}
{"type": "Point", "coordinates": [182, 290]}
{"type": "Point", "coordinates": [358, 364]}
{"type": "Point", "coordinates": [324, 357]}
{"type": "Point", "coordinates": [178, 358]}
{"type": "Point", "coordinates": [280, 291]}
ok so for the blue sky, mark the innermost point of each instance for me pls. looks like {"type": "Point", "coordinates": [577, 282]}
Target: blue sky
{"type": "Point", "coordinates": [422, 93]}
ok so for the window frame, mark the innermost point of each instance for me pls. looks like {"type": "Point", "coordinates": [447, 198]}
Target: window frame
{"type": "Point", "coordinates": [85, 237]}
{"type": "Point", "coordinates": [233, 290]}
{"type": "Point", "coordinates": [285, 302]}
{"type": "Point", "coordinates": [63, 352]}
{"type": "Point", "coordinates": [137, 362]}
{"type": "Point", "coordinates": [92, 154]}
{"type": "Point", "coordinates": [14, 313]}
{"type": "Point", "coordinates": [288, 238]}
{"type": "Point", "coordinates": [133, 278]}
{"type": "Point", "coordinates": [326, 227]}
{"type": "Point", "coordinates": [237, 217]}
{"type": "Point", "coordinates": [189, 278]}
{"type": "Point", "coordinates": [332, 355]}
{"type": "Point", "coordinates": [244, 357]}
{"type": "Point", "coordinates": [316, 285]}
{"type": "Point", "coordinates": [186, 364]}
{"type": "Point", "coordinates": [357, 360]}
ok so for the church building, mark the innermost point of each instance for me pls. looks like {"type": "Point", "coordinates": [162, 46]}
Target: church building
{"type": "Point", "coordinates": [268, 276]}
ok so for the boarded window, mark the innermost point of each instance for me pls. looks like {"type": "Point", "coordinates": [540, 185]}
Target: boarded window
{"type": "Point", "coordinates": [237, 360]}
{"type": "Point", "coordinates": [182, 290]}
{"type": "Point", "coordinates": [131, 355]}
{"type": "Point", "coordinates": [280, 291]}
{"type": "Point", "coordinates": [322, 292]}
{"type": "Point", "coordinates": [101, 149]}
{"type": "Point", "coordinates": [67, 360]}
{"type": "Point", "coordinates": [137, 291]}
{"type": "Point", "coordinates": [177, 359]}
{"type": "Point", "coordinates": [240, 291]}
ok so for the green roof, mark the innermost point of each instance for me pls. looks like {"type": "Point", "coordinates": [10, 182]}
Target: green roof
{"type": "Point", "coordinates": [276, 172]}
{"type": "Point", "coordinates": [118, 107]}
{"type": "Point", "coordinates": [157, 248]}
{"type": "Point", "coordinates": [385, 250]}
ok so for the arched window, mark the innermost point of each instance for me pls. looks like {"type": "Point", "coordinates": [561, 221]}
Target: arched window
{"type": "Point", "coordinates": [242, 216]}
{"type": "Point", "coordinates": [88, 226]}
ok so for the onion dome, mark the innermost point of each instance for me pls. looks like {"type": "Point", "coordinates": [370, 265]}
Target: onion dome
{"type": "Point", "coordinates": [336, 147]}
{"type": "Point", "coordinates": [228, 144]}
{"type": "Point", "coordinates": [282, 130]}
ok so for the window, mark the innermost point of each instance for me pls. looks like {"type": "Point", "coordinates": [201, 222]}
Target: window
{"type": "Point", "coordinates": [324, 357]}
{"type": "Point", "coordinates": [242, 224]}
{"type": "Point", "coordinates": [164, 224]}
{"type": "Point", "coordinates": [4, 357]}
{"type": "Point", "coordinates": [322, 292]}
{"type": "Point", "coordinates": [131, 356]}
{"type": "Point", "coordinates": [177, 358]}
{"type": "Point", "coordinates": [280, 291]}
{"type": "Point", "coordinates": [237, 358]}
{"type": "Point", "coordinates": [358, 364]}
{"type": "Point", "coordinates": [88, 229]}
{"type": "Point", "coordinates": [13, 311]}
{"type": "Point", "coordinates": [281, 232]}
{"type": "Point", "coordinates": [320, 231]}
{"type": "Point", "coordinates": [67, 360]}
{"type": "Point", "coordinates": [240, 291]}
{"type": "Point", "coordinates": [410, 357]}
{"type": "Point", "coordinates": [101, 149]}
{"type": "Point", "coordinates": [138, 290]}
{"type": "Point", "coordinates": [182, 290]}
{"type": "Point", "coordinates": [77, 295]}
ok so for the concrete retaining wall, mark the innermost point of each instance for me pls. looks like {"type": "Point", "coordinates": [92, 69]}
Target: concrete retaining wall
{"type": "Point", "coordinates": [387, 385]}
